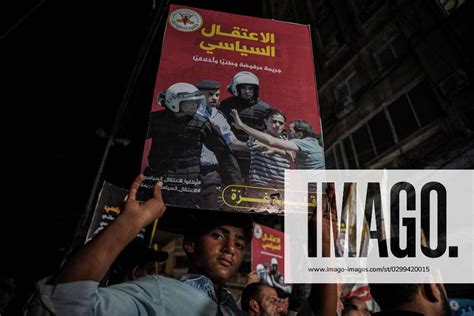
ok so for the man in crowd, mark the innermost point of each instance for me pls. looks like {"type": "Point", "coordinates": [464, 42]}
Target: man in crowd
{"type": "Point", "coordinates": [260, 299]}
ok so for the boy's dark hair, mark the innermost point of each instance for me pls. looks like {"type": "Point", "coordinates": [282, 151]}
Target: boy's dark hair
{"type": "Point", "coordinates": [272, 111]}
{"type": "Point", "coordinates": [251, 291]}
{"type": "Point", "coordinates": [391, 296]}
{"type": "Point", "coordinates": [303, 127]}
{"type": "Point", "coordinates": [204, 222]}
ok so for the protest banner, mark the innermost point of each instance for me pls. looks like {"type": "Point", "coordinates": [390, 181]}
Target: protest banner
{"type": "Point", "coordinates": [261, 68]}
{"type": "Point", "coordinates": [267, 256]}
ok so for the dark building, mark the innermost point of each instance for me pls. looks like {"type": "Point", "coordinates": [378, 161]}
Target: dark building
{"type": "Point", "coordinates": [394, 83]}
{"type": "Point", "coordinates": [394, 80]}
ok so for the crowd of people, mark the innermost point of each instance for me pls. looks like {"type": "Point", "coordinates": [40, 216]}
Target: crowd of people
{"type": "Point", "coordinates": [241, 140]}
{"type": "Point", "coordinates": [215, 245]}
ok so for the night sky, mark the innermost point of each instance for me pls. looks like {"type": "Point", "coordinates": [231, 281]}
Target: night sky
{"type": "Point", "coordinates": [65, 68]}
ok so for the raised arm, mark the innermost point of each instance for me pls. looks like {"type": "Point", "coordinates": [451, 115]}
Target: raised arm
{"type": "Point", "coordinates": [94, 259]}
{"type": "Point", "coordinates": [288, 154]}
{"type": "Point", "coordinates": [262, 137]}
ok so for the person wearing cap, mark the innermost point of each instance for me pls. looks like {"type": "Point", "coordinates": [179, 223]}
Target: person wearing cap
{"type": "Point", "coordinates": [211, 90]}
{"type": "Point", "coordinates": [211, 181]}
{"type": "Point", "coordinates": [245, 88]}
{"type": "Point", "coordinates": [177, 137]}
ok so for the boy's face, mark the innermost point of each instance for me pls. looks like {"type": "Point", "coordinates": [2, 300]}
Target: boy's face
{"type": "Point", "coordinates": [275, 124]}
{"type": "Point", "coordinates": [219, 253]}
{"type": "Point", "coordinates": [247, 91]}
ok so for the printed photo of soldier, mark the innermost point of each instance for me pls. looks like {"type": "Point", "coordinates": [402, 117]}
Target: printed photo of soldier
{"type": "Point", "coordinates": [269, 274]}
{"type": "Point", "coordinates": [178, 135]}
{"type": "Point", "coordinates": [218, 150]}
{"type": "Point", "coordinates": [254, 71]}
{"type": "Point", "coordinates": [211, 181]}
{"type": "Point", "coordinates": [245, 87]}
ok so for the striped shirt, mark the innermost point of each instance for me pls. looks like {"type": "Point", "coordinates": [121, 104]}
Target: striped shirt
{"type": "Point", "coordinates": [266, 168]}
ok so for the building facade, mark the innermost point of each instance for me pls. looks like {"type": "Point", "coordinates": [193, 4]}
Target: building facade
{"type": "Point", "coordinates": [394, 81]}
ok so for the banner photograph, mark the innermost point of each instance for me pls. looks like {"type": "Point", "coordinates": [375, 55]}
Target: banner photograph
{"type": "Point", "coordinates": [268, 256]}
{"type": "Point", "coordinates": [234, 105]}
